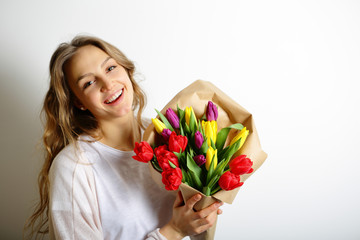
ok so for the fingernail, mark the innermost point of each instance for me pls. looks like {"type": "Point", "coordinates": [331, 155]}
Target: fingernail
{"type": "Point", "coordinates": [198, 197]}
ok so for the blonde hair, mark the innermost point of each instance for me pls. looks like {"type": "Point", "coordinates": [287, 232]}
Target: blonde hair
{"type": "Point", "coordinates": [64, 122]}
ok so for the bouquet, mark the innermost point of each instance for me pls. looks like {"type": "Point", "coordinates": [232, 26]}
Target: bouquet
{"type": "Point", "coordinates": [196, 145]}
{"type": "Point", "coordinates": [192, 151]}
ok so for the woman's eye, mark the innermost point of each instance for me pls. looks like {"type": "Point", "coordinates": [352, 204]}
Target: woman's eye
{"type": "Point", "coordinates": [87, 84]}
{"type": "Point", "coordinates": [111, 68]}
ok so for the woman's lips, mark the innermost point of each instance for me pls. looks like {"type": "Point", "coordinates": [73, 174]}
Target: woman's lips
{"type": "Point", "coordinates": [114, 98]}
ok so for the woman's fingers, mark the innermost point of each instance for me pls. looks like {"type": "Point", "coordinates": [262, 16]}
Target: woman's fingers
{"type": "Point", "coordinates": [192, 201]}
{"type": "Point", "coordinates": [209, 220]}
{"type": "Point", "coordinates": [179, 200]}
{"type": "Point", "coordinates": [204, 212]}
{"type": "Point", "coordinates": [205, 223]}
{"type": "Point", "coordinates": [210, 209]}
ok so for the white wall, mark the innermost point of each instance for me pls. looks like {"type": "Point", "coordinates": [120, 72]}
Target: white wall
{"type": "Point", "coordinates": [293, 64]}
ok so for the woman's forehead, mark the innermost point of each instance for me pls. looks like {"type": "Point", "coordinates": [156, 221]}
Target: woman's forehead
{"type": "Point", "coordinates": [85, 60]}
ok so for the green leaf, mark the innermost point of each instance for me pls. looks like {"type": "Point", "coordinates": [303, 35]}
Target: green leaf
{"type": "Point", "coordinates": [212, 144]}
{"type": "Point", "coordinates": [203, 117]}
{"type": "Point", "coordinates": [181, 158]}
{"type": "Point", "coordinates": [182, 131]}
{"type": "Point", "coordinates": [223, 134]}
{"type": "Point", "coordinates": [156, 166]}
{"type": "Point", "coordinates": [222, 165]}
{"type": "Point", "coordinates": [201, 129]}
{"type": "Point", "coordinates": [206, 190]}
{"type": "Point", "coordinates": [213, 181]}
{"type": "Point", "coordinates": [181, 115]}
{"type": "Point", "coordinates": [189, 179]}
{"type": "Point", "coordinates": [191, 153]}
{"type": "Point", "coordinates": [191, 164]}
{"type": "Point", "coordinates": [172, 165]}
{"type": "Point", "coordinates": [181, 112]}
{"type": "Point", "coordinates": [164, 120]}
{"type": "Point", "coordinates": [211, 170]}
{"type": "Point", "coordinates": [184, 176]}
{"type": "Point", "coordinates": [196, 179]}
{"type": "Point", "coordinates": [192, 122]}
{"type": "Point", "coordinates": [221, 137]}
{"type": "Point", "coordinates": [187, 128]}
{"type": "Point", "coordinates": [232, 149]}
{"type": "Point", "coordinates": [218, 188]}
{"type": "Point", "coordinates": [204, 146]}
{"type": "Point", "coordinates": [178, 155]}
{"type": "Point", "coordinates": [222, 152]}
{"type": "Point", "coordinates": [219, 169]}
{"type": "Point", "coordinates": [237, 126]}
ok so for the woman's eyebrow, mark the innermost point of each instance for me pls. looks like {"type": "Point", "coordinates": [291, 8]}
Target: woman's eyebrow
{"type": "Point", "coordinates": [88, 74]}
{"type": "Point", "coordinates": [105, 61]}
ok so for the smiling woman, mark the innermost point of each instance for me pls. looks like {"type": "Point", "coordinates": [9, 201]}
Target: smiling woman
{"type": "Point", "coordinates": [100, 85]}
{"type": "Point", "coordinates": [90, 188]}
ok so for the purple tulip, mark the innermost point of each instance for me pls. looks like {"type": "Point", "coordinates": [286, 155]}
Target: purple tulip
{"type": "Point", "coordinates": [199, 139]}
{"type": "Point", "coordinates": [200, 160]}
{"type": "Point", "coordinates": [211, 112]}
{"type": "Point", "coordinates": [166, 134]}
{"type": "Point", "coordinates": [172, 118]}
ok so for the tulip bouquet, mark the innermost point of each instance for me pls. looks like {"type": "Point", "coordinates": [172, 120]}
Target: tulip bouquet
{"type": "Point", "coordinates": [202, 142]}
{"type": "Point", "coordinates": [192, 151]}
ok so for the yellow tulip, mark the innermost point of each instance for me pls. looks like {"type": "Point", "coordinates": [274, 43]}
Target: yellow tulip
{"type": "Point", "coordinates": [209, 157]}
{"type": "Point", "coordinates": [188, 112]}
{"type": "Point", "coordinates": [159, 125]}
{"type": "Point", "coordinates": [243, 135]}
{"type": "Point", "coordinates": [210, 130]}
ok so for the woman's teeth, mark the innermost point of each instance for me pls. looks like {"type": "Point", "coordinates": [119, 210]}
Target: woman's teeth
{"type": "Point", "coordinates": [113, 98]}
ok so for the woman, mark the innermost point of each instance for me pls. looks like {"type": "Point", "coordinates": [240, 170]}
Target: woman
{"type": "Point", "coordinates": [90, 188]}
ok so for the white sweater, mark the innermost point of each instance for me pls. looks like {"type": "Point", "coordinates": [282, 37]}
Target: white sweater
{"type": "Point", "coordinates": [98, 192]}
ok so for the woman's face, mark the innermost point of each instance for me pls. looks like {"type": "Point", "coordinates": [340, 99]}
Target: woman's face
{"type": "Point", "coordinates": [100, 84]}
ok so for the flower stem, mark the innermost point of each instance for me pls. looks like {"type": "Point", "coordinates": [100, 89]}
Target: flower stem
{"type": "Point", "coordinates": [206, 191]}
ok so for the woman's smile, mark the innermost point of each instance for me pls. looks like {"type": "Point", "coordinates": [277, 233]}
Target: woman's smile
{"type": "Point", "coordinates": [115, 98]}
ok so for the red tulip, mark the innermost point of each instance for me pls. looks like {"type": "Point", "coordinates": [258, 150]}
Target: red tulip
{"type": "Point", "coordinates": [164, 156]}
{"type": "Point", "coordinates": [229, 181]}
{"type": "Point", "coordinates": [241, 165]}
{"type": "Point", "coordinates": [172, 178]}
{"type": "Point", "coordinates": [143, 151]}
{"type": "Point", "coordinates": [159, 149]}
{"type": "Point", "coordinates": [177, 142]}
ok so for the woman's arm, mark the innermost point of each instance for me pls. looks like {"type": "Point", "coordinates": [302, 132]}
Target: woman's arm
{"type": "Point", "coordinates": [73, 207]}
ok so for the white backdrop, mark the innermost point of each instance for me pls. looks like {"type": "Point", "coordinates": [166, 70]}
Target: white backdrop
{"type": "Point", "coordinates": [293, 64]}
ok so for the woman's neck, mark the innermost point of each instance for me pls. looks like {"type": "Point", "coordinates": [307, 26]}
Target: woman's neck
{"type": "Point", "coordinates": [121, 133]}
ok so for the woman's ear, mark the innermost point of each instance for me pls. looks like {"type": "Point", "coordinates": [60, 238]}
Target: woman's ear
{"type": "Point", "coordinates": [79, 105]}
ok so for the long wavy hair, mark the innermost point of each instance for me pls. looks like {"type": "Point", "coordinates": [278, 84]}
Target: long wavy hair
{"type": "Point", "coordinates": [64, 122]}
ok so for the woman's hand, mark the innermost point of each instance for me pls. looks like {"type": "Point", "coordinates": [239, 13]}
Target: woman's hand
{"type": "Point", "coordinates": [186, 221]}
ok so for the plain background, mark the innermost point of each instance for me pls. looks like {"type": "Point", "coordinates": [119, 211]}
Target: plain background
{"type": "Point", "coordinates": [293, 64]}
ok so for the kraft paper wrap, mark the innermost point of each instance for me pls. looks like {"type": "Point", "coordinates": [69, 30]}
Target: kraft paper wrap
{"type": "Point", "coordinates": [197, 95]}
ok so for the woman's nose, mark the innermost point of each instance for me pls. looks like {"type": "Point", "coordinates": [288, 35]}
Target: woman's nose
{"type": "Point", "coordinates": [106, 85]}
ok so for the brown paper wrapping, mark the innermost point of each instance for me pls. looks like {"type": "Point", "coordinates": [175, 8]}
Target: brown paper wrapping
{"type": "Point", "coordinates": [197, 95]}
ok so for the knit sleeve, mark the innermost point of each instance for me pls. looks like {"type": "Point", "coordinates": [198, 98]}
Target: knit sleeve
{"type": "Point", "coordinates": [73, 207]}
